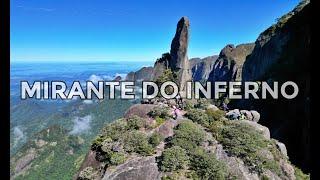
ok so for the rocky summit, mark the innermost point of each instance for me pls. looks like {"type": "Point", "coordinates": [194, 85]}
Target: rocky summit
{"type": "Point", "coordinates": [202, 142]}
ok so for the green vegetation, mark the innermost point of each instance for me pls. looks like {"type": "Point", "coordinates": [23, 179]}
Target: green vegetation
{"type": "Point", "coordinates": [116, 129]}
{"type": "Point", "coordinates": [155, 139]}
{"type": "Point", "coordinates": [87, 173]}
{"type": "Point", "coordinates": [215, 115]}
{"type": "Point", "coordinates": [160, 112]}
{"type": "Point", "coordinates": [173, 159]}
{"type": "Point", "coordinates": [300, 175]}
{"type": "Point", "coordinates": [188, 135]}
{"type": "Point", "coordinates": [202, 103]}
{"type": "Point", "coordinates": [243, 141]}
{"type": "Point", "coordinates": [188, 105]}
{"type": "Point", "coordinates": [136, 141]}
{"type": "Point", "coordinates": [135, 122]}
{"type": "Point", "coordinates": [117, 158]}
{"type": "Point", "coordinates": [205, 118]}
{"type": "Point", "coordinates": [167, 75]}
{"type": "Point", "coordinates": [207, 166]}
{"type": "Point", "coordinates": [56, 158]}
{"type": "Point", "coordinates": [187, 154]}
{"type": "Point", "coordinates": [159, 121]}
{"type": "Point", "coordinates": [199, 116]}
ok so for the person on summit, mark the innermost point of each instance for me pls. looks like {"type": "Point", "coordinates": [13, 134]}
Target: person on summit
{"type": "Point", "coordinates": [179, 100]}
{"type": "Point", "coordinates": [224, 106]}
{"type": "Point", "coordinates": [176, 112]}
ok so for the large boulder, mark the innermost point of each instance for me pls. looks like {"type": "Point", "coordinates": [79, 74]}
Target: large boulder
{"type": "Point", "coordinates": [140, 110]}
{"type": "Point", "coordinates": [135, 168]}
{"type": "Point", "coordinates": [255, 116]}
{"type": "Point", "coordinates": [233, 114]}
{"type": "Point", "coordinates": [166, 129]}
{"type": "Point", "coordinates": [282, 148]}
{"type": "Point", "coordinates": [247, 114]}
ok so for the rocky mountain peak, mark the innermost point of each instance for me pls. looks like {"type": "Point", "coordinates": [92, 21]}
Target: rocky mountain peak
{"type": "Point", "coordinates": [179, 62]}
{"type": "Point", "coordinates": [179, 45]}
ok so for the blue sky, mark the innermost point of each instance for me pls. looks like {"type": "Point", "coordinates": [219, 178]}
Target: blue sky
{"type": "Point", "coordinates": [133, 30]}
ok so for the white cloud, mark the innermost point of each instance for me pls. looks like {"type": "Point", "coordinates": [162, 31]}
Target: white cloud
{"type": "Point", "coordinates": [94, 78]}
{"type": "Point", "coordinates": [81, 124]}
{"type": "Point", "coordinates": [17, 132]}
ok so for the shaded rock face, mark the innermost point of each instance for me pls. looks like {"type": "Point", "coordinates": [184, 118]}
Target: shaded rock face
{"type": "Point", "coordinates": [201, 68]}
{"type": "Point", "coordinates": [228, 66]}
{"type": "Point", "coordinates": [179, 45]}
{"type": "Point", "coordinates": [282, 53]}
{"type": "Point", "coordinates": [160, 66]}
{"type": "Point", "coordinates": [144, 74]}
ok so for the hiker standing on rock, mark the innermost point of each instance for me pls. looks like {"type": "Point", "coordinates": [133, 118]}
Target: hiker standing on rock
{"type": "Point", "coordinates": [225, 106]}
{"type": "Point", "coordinates": [179, 100]}
{"type": "Point", "coordinates": [176, 112]}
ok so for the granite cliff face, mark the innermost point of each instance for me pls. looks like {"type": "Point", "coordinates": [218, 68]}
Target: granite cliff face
{"type": "Point", "coordinates": [282, 53]}
{"type": "Point", "coordinates": [228, 66]}
{"type": "Point", "coordinates": [177, 60]}
{"type": "Point", "coordinates": [201, 68]}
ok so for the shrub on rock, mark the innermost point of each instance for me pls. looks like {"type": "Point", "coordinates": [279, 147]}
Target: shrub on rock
{"type": "Point", "coordinates": [135, 122]}
{"type": "Point", "coordinates": [162, 112]}
{"type": "Point", "coordinates": [173, 159]}
{"type": "Point", "coordinates": [243, 141]}
{"type": "Point", "coordinates": [215, 115]}
{"type": "Point", "coordinates": [117, 158]}
{"type": "Point", "coordinates": [136, 141]}
{"type": "Point", "coordinates": [207, 166]}
{"type": "Point", "coordinates": [155, 139]}
{"type": "Point", "coordinates": [188, 135]}
{"type": "Point", "coordinates": [87, 173]}
{"type": "Point", "coordinates": [202, 103]}
{"type": "Point", "coordinates": [198, 116]}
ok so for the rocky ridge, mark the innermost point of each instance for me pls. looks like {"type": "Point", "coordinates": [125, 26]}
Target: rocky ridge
{"type": "Point", "coordinates": [211, 136]}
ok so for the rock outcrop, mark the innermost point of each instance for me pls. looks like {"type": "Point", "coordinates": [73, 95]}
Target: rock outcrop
{"type": "Point", "coordinates": [136, 168]}
{"type": "Point", "coordinates": [201, 68]}
{"type": "Point", "coordinates": [143, 74]}
{"type": "Point", "coordinates": [177, 60]}
{"type": "Point", "coordinates": [228, 66]}
{"type": "Point", "coordinates": [140, 110]}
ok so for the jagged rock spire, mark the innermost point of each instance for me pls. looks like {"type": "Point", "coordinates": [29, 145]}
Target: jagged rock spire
{"type": "Point", "coordinates": [179, 62]}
